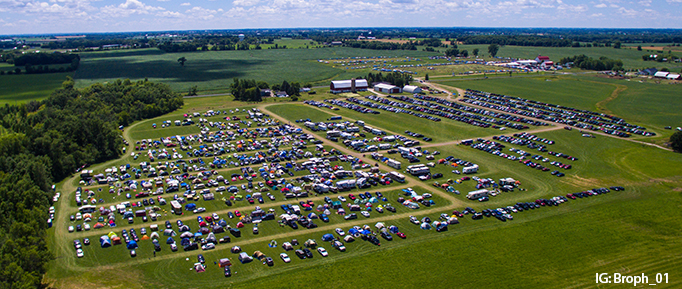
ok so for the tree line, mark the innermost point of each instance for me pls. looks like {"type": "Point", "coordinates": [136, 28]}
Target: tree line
{"type": "Point", "coordinates": [251, 90]}
{"type": "Point", "coordinates": [395, 78]}
{"type": "Point", "coordinates": [585, 62]}
{"type": "Point", "coordinates": [42, 142]}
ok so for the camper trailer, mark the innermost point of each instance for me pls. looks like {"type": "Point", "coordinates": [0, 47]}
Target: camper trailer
{"type": "Point", "coordinates": [393, 163]}
{"type": "Point", "coordinates": [477, 194]}
{"type": "Point", "coordinates": [470, 169]}
{"type": "Point", "coordinates": [177, 208]}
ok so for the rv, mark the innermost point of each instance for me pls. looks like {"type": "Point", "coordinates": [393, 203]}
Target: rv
{"type": "Point", "coordinates": [393, 163]}
{"type": "Point", "coordinates": [477, 194]}
{"type": "Point", "coordinates": [470, 169]}
{"type": "Point", "coordinates": [396, 176]}
{"type": "Point", "coordinates": [177, 208]}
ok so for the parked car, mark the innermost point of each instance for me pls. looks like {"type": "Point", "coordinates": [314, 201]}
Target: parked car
{"type": "Point", "coordinates": [322, 251]}
{"type": "Point", "coordinates": [227, 271]}
{"type": "Point", "coordinates": [285, 257]}
{"type": "Point", "coordinates": [79, 253]}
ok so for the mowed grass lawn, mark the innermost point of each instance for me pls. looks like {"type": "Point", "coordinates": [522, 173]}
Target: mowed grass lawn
{"type": "Point", "coordinates": [215, 70]}
{"type": "Point", "coordinates": [15, 89]}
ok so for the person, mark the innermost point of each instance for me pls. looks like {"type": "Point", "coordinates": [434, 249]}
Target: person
{"type": "Point", "coordinates": [154, 253]}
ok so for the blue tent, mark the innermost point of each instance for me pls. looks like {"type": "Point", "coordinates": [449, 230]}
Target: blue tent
{"type": "Point", "coordinates": [170, 240]}
{"type": "Point", "coordinates": [327, 237]}
{"type": "Point", "coordinates": [393, 229]}
{"type": "Point", "coordinates": [131, 245]}
{"type": "Point", "coordinates": [366, 232]}
{"type": "Point", "coordinates": [222, 223]}
{"type": "Point", "coordinates": [104, 241]}
{"type": "Point", "coordinates": [184, 242]}
{"type": "Point", "coordinates": [198, 234]}
{"type": "Point", "coordinates": [190, 207]}
{"type": "Point", "coordinates": [353, 231]}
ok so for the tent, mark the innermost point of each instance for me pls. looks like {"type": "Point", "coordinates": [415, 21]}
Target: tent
{"type": "Point", "coordinates": [98, 226]}
{"type": "Point", "coordinates": [198, 234]}
{"type": "Point", "coordinates": [393, 229]}
{"type": "Point", "coordinates": [170, 240]}
{"type": "Point", "coordinates": [198, 267]}
{"type": "Point", "coordinates": [111, 235]}
{"type": "Point", "coordinates": [240, 225]}
{"type": "Point", "coordinates": [154, 235]}
{"type": "Point", "coordinates": [380, 225]}
{"type": "Point", "coordinates": [169, 232]}
{"type": "Point", "coordinates": [312, 216]}
{"type": "Point", "coordinates": [353, 231]}
{"type": "Point", "coordinates": [190, 206]}
{"type": "Point", "coordinates": [184, 242]}
{"type": "Point", "coordinates": [131, 245]}
{"type": "Point", "coordinates": [453, 220]}
{"type": "Point", "coordinates": [186, 235]}
{"type": "Point", "coordinates": [224, 262]}
{"type": "Point", "coordinates": [116, 240]}
{"type": "Point", "coordinates": [184, 228]}
{"type": "Point", "coordinates": [310, 243]}
{"type": "Point", "coordinates": [373, 200]}
{"type": "Point", "coordinates": [366, 232]}
{"type": "Point", "coordinates": [104, 241]}
{"type": "Point", "coordinates": [273, 244]}
{"type": "Point", "coordinates": [327, 237]}
{"type": "Point", "coordinates": [145, 237]}
{"type": "Point", "coordinates": [218, 229]}
{"type": "Point", "coordinates": [425, 226]}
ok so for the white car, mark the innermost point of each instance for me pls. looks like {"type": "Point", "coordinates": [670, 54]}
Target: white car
{"type": "Point", "coordinates": [79, 253]}
{"type": "Point", "coordinates": [341, 198]}
{"type": "Point", "coordinates": [215, 216]}
{"type": "Point", "coordinates": [173, 247]}
{"type": "Point", "coordinates": [339, 231]}
{"type": "Point", "coordinates": [199, 210]}
{"type": "Point", "coordinates": [365, 213]}
{"type": "Point", "coordinates": [322, 252]}
{"type": "Point", "coordinates": [71, 229]}
{"type": "Point", "coordinates": [285, 257]}
{"type": "Point", "coordinates": [208, 246]}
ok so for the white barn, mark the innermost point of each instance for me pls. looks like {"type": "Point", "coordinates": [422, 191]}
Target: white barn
{"type": "Point", "coordinates": [412, 89]}
{"type": "Point", "coordinates": [351, 85]}
{"type": "Point", "coordinates": [387, 88]}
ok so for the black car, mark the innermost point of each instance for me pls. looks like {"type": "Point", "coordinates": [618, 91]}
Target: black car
{"type": "Point", "coordinates": [86, 241]}
{"type": "Point", "coordinates": [269, 261]}
{"type": "Point", "coordinates": [168, 225]}
{"type": "Point", "coordinates": [308, 254]}
{"type": "Point", "coordinates": [351, 216]}
{"type": "Point", "coordinates": [228, 272]}
{"type": "Point", "coordinates": [201, 259]}
{"type": "Point", "coordinates": [387, 236]}
{"type": "Point", "coordinates": [477, 216]}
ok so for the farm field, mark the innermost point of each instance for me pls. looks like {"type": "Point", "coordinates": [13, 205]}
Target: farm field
{"type": "Point", "coordinates": [214, 70]}
{"type": "Point", "coordinates": [26, 87]}
{"type": "Point", "coordinates": [633, 231]}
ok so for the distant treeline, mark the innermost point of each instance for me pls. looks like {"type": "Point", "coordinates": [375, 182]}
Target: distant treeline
{"type": "Point", "coordinates": [519, 40]}
{"type": "Point", "coordinates": [585, 62]}
{"type": "Point", "coordinates": [44, 59]}
{"type": "Point", "coordinates": [395, 78]}
{"type": "Point", "coordinates": [250, 89]}
{"type": "Point", "coordinates": [377, 45]}
{"type": "Point", "coordinates": [89, 42]}
{"type": "Point", "coordinates": [44, 142]}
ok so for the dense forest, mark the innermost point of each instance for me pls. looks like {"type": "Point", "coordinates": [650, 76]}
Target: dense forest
{"type": "Point", "coordinates": [44, 142]}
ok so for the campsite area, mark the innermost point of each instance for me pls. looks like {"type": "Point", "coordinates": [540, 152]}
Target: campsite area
{"type": "Point", "coordinates": [279, 159]}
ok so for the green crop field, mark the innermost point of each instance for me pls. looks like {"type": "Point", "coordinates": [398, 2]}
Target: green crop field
{"type": "Point", "coordinates": [214, 70]}
{"type": "Point", "coordinates": [630, 232]}
{"type": "Point", "coordinates": [26, 87]}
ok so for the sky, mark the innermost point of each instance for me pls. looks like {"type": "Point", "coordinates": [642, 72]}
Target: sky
{"type": "Point", "coordinates": [85, 16]}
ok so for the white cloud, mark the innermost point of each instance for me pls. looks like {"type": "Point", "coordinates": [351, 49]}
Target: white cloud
{"type": "Point", "coordinates": [572, 8]}
{"type": "Point", "coordinates": [614, 6]}
{"type": "Point", "coordinates": [185, 4]}
{"type": "Point", "coordinates": [597, 15]}
{"type": "Point", "coordinates": [674, 1]}
{"type": "Point", "coordinates": [128, 8]}
{"type": "Point", "coordinates": [169, 14]}
{"type": "Point", "coordinates": [245, 2]}
{"type": "Point", "coordinates": [600, 5]}
{"type": "Point", "coordinates": [202, 13]}
{"type": "Point", "coordinates": [646, 3]}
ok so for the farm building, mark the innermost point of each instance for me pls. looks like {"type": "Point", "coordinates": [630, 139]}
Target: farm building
{"type": "Point", "coordinates": [412, 89]}
{"type": "Point", "coordinates": [387, 88]}
{"type": "Point", "coordinates": [527, 62]}
{"type": "Point", "coordinates": [673, 76]}
{"type": "Point", "coordinates": [648, 71]}
{"type": "Point", "coordinates": [541, 59]}
{"type": "Point", "coordinates": [661, 74]}
{"type": "Point", "coordinates": [352, 85]}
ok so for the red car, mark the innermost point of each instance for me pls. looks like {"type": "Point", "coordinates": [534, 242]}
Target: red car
{"type": "Point", "coordinates": [237, 213]}
{"type": "Point", "coordinates": [457, 213]}
{"type": "Point", "coordinates": [570, 196]}
{"type": "Point", "coordinates": [351, 196]}
{"type": "Point", "coordinates": [401, 235]}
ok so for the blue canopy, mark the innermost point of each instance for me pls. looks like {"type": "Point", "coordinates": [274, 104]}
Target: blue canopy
{"type": "Point", "coordinates": [104, 241]}
{"type": "Point", "coordinates": [393, 229]}
{"type": "Point", "coordinates": [353, 231]}
{"type": "Point", "coordinates": [366, 232]}
{"type": "Point", "coordinates": [327, 237]}
{"type": "Point", "coordinates": [190, 206]}
{"type": "Point", "coordinates": [131, 245]}
{"type": "Point", "coordinates": [170, 240]}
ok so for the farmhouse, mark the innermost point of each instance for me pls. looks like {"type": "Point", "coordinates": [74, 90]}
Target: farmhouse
{"type": "Point", "coordinates": [352, 85]}
{"type": "Point", "coordinates": [412, 89]}
{"type": "Point", "coordinates": [387, 88]}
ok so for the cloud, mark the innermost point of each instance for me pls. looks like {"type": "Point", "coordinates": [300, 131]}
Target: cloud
{"type": "Point", "coordinates": [572, 8]}
{"type": "Point", "coordinates": [169, 14]}
{"type": "Point", "coordinates": [674, 1]}
{"type": "Point", "coordinates": [128, 8]}
{"type": "Point", "coordinates": [601, 5]}
{"type": "Point", "coordinates": [597, 15]}
{"type": "Point", "coordinates": [202, 13]}
{"type": "Point", "coordinates": [245, 2]}
{"type": "Point", "coordinates": [185, 4]}
{"type": "Point", "coordinates": [646, 3]}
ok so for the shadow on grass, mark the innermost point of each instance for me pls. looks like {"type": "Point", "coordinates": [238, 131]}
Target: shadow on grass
{"type": "Point", "coordinates": [193, 71]}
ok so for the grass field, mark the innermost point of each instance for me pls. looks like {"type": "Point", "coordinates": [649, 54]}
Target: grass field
{"type": "Point", "coordinates": [214, 70]}
{"type": "Point", "coordinates": [22, 88]}
{"type": "Point", "coordinates": [631, 232]}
